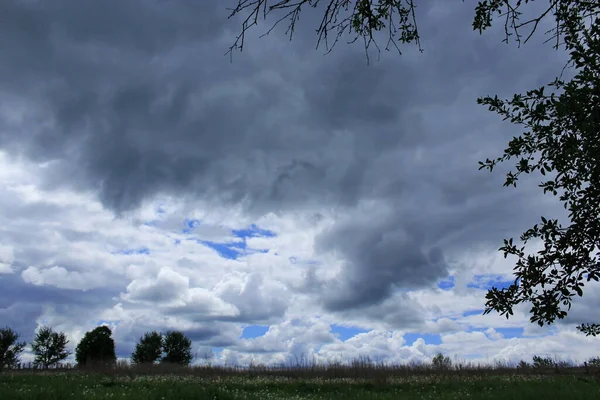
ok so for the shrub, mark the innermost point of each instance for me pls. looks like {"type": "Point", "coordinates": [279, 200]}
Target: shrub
{"type": "Point", "coordinates": [594, 362]}
{"type": "Point", "coordinates": [543, 362]}
{"type": "Point", "coordinates": [523, 364]}
{"type": "Point", "coordinates": [441, 362]}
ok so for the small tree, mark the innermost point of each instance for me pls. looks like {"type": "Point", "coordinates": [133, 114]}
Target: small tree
{"type": "Point", "coordinates": [149, 349]}
{"type": "Point", "coordinates": [177, 348]}
{"type": "Point", "coordinates": [10, 348]}
{"type": "Point", "coordinates": [441, 361]}
{"type": "Point", "coordinates": [49, 347]}
{"type": "Point", "coordinates": [96, 347]}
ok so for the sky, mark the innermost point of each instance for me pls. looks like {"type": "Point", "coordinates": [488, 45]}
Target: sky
{"type": "Point", "coordinates": [284, 204]}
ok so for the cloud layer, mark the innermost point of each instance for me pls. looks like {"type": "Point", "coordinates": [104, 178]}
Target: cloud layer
{"type": "Point", "coordinates": [136, 159]}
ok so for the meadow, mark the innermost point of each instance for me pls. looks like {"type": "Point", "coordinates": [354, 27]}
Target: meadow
{"type": "Point", "coordinates": [351, 382]}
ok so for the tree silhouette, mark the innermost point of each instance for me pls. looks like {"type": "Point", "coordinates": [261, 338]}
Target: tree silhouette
{"type": "Point", "coordinates": [49, 347]}
{"type": "Point", "coordinates": [97, 347]}
{"type": "Point", "coordinates": [10, 348]}
{"type": "Point", "coordinates": [177, 348]}
{"type": "Point", "coordinates": [149, 348]}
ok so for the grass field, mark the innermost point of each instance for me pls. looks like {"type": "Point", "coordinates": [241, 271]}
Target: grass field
{"type": "Point", "coordinates": [179, 385]}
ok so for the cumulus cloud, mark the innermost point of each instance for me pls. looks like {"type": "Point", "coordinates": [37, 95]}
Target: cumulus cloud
{"type": "Point", "coordinates": [256, 298]}
{"type": "Point", "coordinates": [170, 290]}
{"type": "Point", "coordinates": [59, 277]}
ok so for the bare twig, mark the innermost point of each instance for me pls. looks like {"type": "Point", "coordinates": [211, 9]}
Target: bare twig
{"type": "Point", "coordinates": [362, 18]}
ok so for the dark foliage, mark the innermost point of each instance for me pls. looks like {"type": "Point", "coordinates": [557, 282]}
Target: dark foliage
{"type": "Point", "coordinates": [96, 348]}
{"type": "Point", "coordinates": [49, 347]}
{"type": "Point", "coordinates": [10, 348]}
{"type": "Point", "coordinates": [149, 348]}
{"type": "Point", "coordinates": [177, 348]}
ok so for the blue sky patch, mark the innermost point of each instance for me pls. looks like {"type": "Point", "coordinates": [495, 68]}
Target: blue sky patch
{"type": "Point", "coordinates": [233, 249]}
{"type": "Point", "coordinates": [128, 252]}
{"type": "Point", "coordinates": [510, 333]}
{"type": "Point", "coordinates": [230, 251]}
{"type": "Point", "coordinates": [447, 283]}
{"type": "Point", "coordinates": [190, 224]}
{"type": "Point", "coordinates": [473, 312]}
{"type": "Point", "coordinates": [488, 281]}
{"type": "Point", "coordinates": [346, 332]}
{"type": "Point", "coordinates": [253, 231]}
{"type": "Point", "coordinates": [429, 338]}
{"type": "Point", "coordinates": [254, 331]}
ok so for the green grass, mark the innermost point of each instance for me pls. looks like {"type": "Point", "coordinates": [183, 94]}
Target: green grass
{"type": "Point", "coordinates": [76, 385]}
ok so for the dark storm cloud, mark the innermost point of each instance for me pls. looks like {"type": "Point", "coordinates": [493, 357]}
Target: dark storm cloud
{"type": "Point", "coordinates": [137, 100]}
{"type": "Point", "coordinates": [14, 289]}
{"type": "Point", "coordinates": [136, 123]}
{"type": "Point", "coordinates": [22, 318]}
{"type": "Point", "coordinates": [379, 258]}
{"type": "Point", "coordinates": [22, 304]}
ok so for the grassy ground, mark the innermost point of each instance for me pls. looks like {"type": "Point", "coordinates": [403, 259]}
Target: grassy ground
{"type": "Point", "coordinates": [76, 385]}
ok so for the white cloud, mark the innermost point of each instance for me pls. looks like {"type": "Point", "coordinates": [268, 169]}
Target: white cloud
{"type": "Point", "coordinates": [257, 298]}
{"type": "Point", "coordinates": [171, 291]}
{"type": "Point", "coordinates": [60, 277]}
{"type": "Point", "coordinates": [187, 286]}
{"type": "Point", "coordinates": [6, 259]}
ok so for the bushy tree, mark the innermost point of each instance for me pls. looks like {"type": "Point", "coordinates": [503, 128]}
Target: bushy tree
{"type": "Point", "coordinates": [10, 348]}
{"type": "Point", "coordinates": [561, 141]}
{"type": "Point", "coordinates": [49, 347]}
{"type": "Point", "coordinates": [96, 347]}
{"type": "Point", "coordinates": [149, 348]}
{"type": "Point", "coordinates": [177, 348]}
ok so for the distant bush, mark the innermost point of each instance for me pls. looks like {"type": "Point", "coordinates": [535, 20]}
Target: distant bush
{"type": "Point", "coordinates": [594, 362]}
{"type": "Point", "coordinates": [523, 364]}
{"type": "Point", "coordinates": [543, 362]}
{"type": "Point", "coordinates": [441, 361]}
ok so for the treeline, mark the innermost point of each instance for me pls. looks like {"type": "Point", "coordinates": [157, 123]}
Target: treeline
{"type": "Point", "coordinates": [97, 347]}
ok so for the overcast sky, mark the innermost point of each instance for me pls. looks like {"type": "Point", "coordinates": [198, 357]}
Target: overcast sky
{"type": "Point", "coordinates": [281, 204]}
